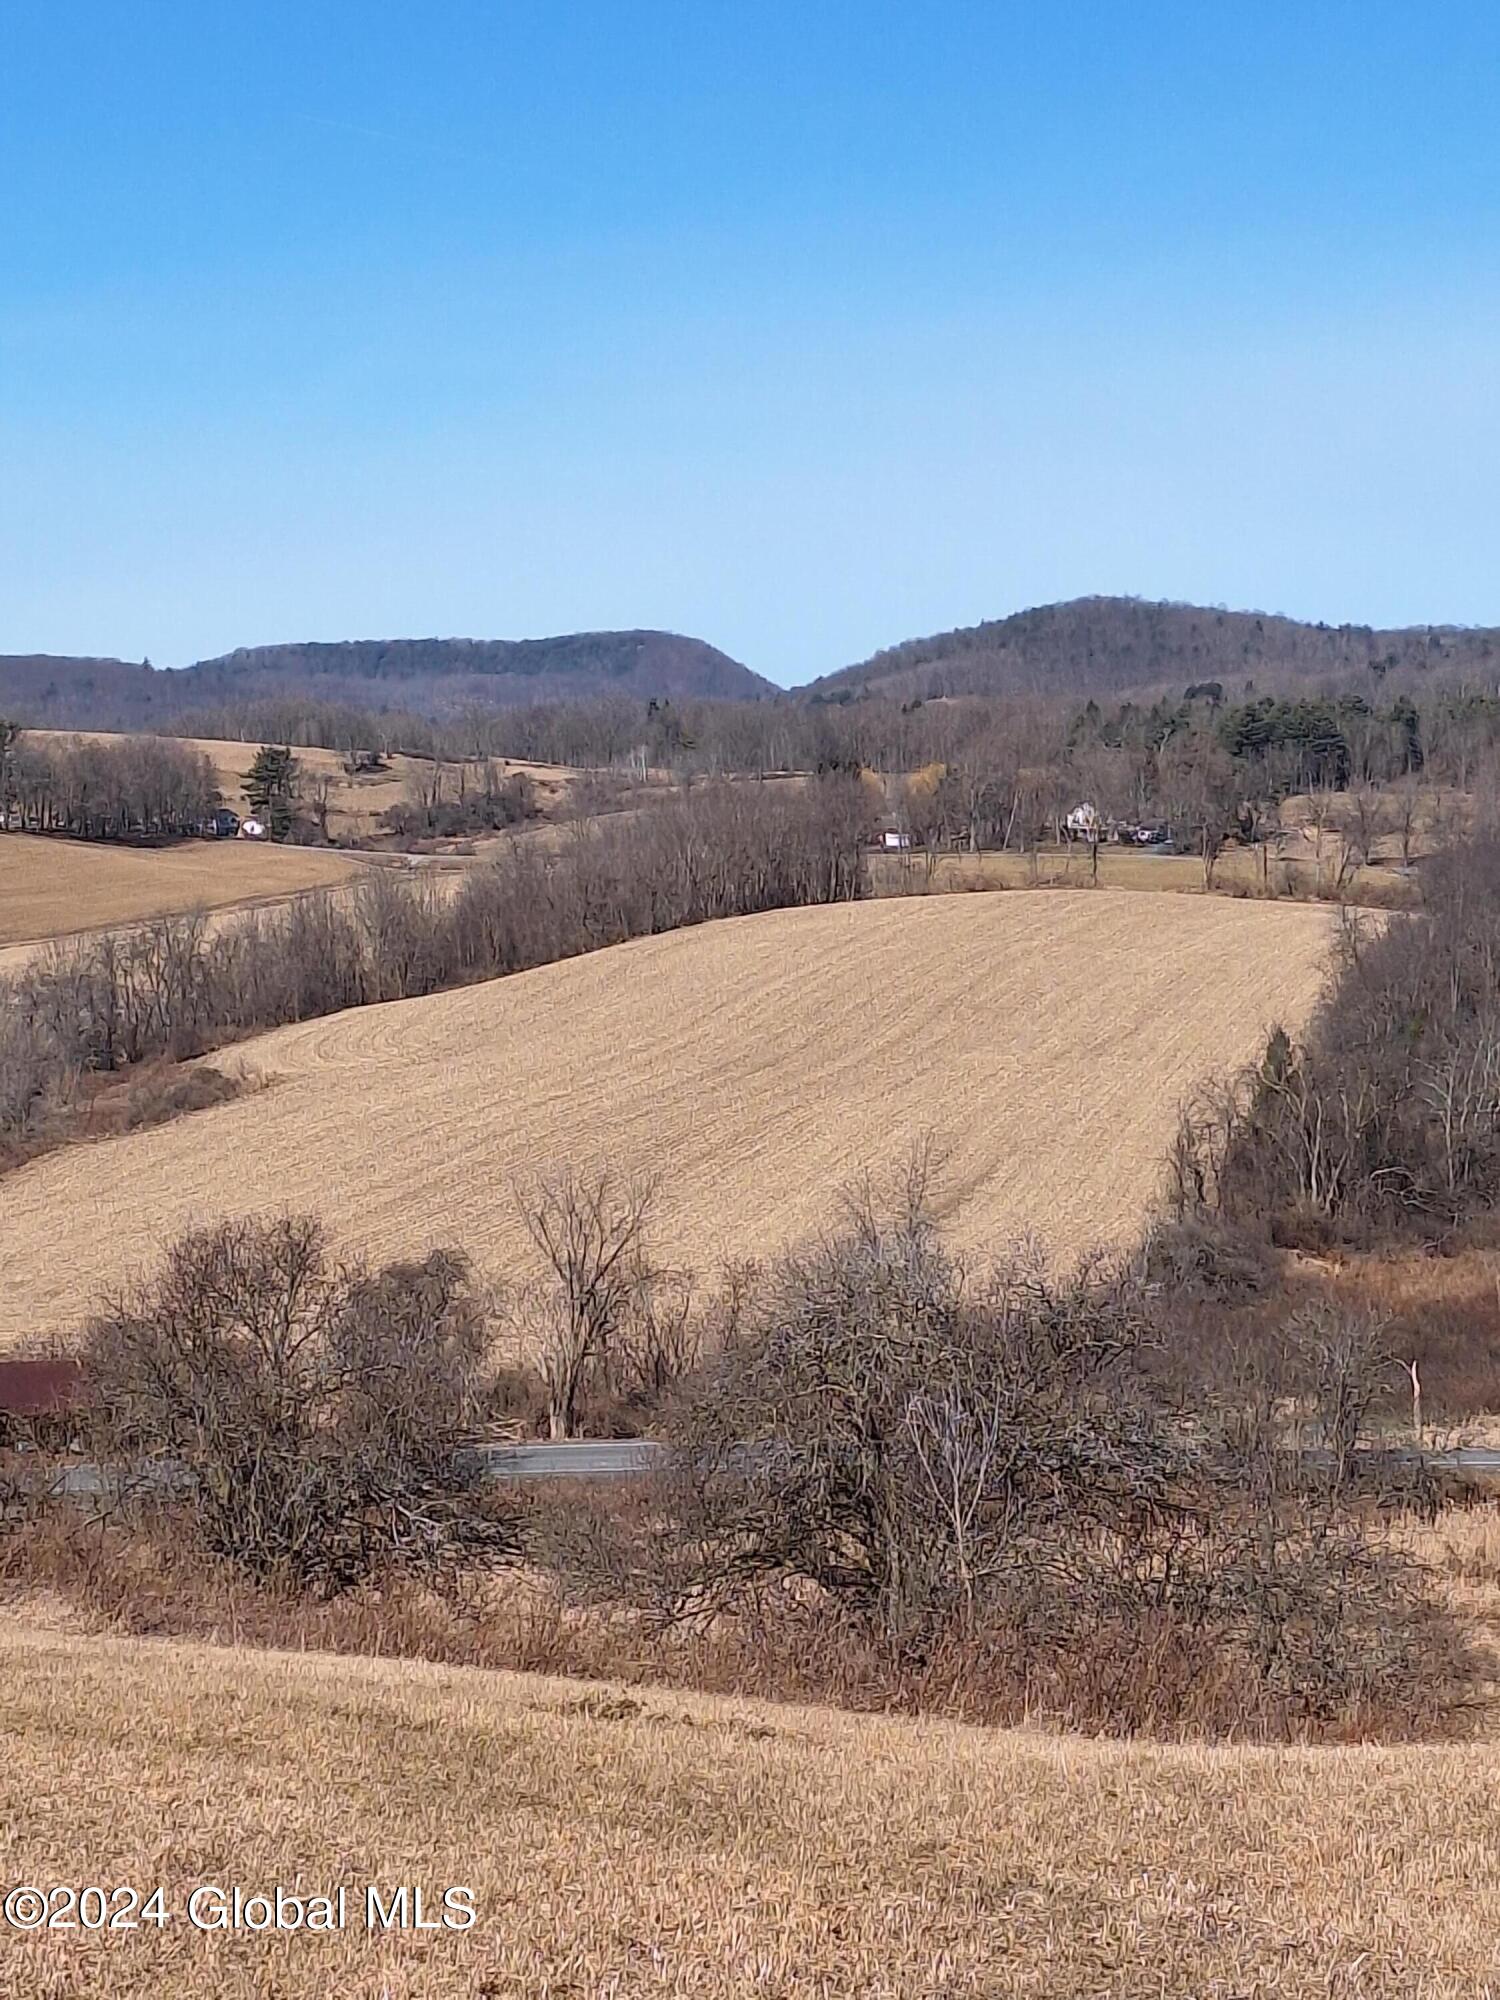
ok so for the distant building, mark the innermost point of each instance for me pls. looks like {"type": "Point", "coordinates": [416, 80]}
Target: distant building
{"type": "Point", "coordinates": [39, 1386]}
{"type": "Point", "coordinates": [251, 829]}
{"type": "Point", "coordinates": [225, 824]}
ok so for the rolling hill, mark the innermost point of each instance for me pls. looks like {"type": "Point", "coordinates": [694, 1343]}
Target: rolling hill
{"type": "Point", "coordinates": [1111, 645]}
{"type": "Point", "coordinates": [756, 1065]}
{"type": "Point", "coordinates": [674, 1846]}
{"type": "Point", "coordinates": [414, 676]}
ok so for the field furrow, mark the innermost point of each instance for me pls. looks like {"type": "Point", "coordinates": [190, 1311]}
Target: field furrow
{"type": "Point", "coordinates": [753, 1065]}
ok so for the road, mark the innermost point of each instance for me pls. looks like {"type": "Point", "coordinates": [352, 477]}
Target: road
{"type": "Point", "coordinates": [612, 1458]}
{"type": "Point", "coordinates": [627, 1458]}
{"type": "Point", "coordinates": [630, 1458]}
{"type": "Point", "coordinates": [594, 1458]}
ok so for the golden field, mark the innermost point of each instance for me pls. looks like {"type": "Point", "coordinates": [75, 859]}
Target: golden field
{"type": "Point", "coordinates": [54, 888]}
{"type": "Point", "coordinates": [666, 1844]}
{"type": "Point", "coordinates": [756, 1065]}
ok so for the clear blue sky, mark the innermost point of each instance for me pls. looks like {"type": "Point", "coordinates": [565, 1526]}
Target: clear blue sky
{"type": "Point", "coordinates": [799, 325]}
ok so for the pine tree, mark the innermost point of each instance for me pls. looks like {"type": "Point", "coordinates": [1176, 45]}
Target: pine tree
{"type": "Point", "coordinates": [10, 737]}
{"type": "Point", "coordinates": [271, 788]}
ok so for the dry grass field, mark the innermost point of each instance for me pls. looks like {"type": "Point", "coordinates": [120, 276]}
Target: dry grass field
{"type": "Point", "coordinates": [1293, 875]}
{"type": "Point", "coordinates": [54, 888]}
{"type": "Point", "coordinates": [622, 1846]}
{"type": "Point", "coordinates": [756, 1065]}
{"type": "Point", "coordinates": [354, 804]}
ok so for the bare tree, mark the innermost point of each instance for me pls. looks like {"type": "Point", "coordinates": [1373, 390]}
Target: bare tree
{"type": "Point", "coordinates": [590, 1232]}
{"type": "Point", "coordinates": [1341, 1357]}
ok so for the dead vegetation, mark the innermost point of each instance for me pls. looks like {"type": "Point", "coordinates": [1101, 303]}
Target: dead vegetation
{"type": "Point", "coordinates": [893, 1479]}
{"type": "Point", "coordinates": [667, 1844]}
{"type": "Point", "coordinates": [309, 1416]}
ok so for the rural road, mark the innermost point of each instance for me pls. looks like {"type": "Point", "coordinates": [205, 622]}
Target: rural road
{"type": "Point", "coordinates": [628, 1458]}
{"type": "Point", "coordinates": [623, 1458]}
{"type": "Point", "coordinates": [605, 1458]}
{"type": "Point", "coordinates": [612, 1458]}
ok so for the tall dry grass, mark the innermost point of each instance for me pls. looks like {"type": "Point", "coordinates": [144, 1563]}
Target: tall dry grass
{"type": "Point", "coordinates": [661, 1844]}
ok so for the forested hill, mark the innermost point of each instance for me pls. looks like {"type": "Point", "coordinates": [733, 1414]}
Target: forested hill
{"type": "Point", "coordinates": [580, 664]}
{"type": "Point", "coordinates": [64, 691]}
{"type": "Point", "coordinates": [1107, 645]}
{"type": "Point", "coordinates": [433, 677]}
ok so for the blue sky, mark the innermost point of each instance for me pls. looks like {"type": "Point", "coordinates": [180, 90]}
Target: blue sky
{"type": "Point", "coordinates": [801, 327]}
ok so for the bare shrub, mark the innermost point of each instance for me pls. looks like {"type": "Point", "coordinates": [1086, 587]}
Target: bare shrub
{"type": "Point", "coordinates": [979, 1479]}
{"type": "Point", "coordinates": [1201, 1255]}
{"type": "Point", "coordinates": [659, 1338]}
{"type": "Point", "coordinates": [1343, 1358]}
{"type": "Point", "coordinates": [308, 1413]}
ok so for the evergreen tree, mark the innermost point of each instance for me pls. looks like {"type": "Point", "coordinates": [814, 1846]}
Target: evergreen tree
{"type": "Point", "coordinates": [10, 736]}
{"type": "Point", "coordinates": [271, 788]}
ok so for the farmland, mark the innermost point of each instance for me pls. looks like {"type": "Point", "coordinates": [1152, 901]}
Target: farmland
{"type": "Point", "coordinates": [355, 803]}
{"type": "Point", "coordinates": [55, 888]}
{"type": "Point", "coordinates": [755, 1065]}
{"type": "Point", "coordinates": [672, 1844]}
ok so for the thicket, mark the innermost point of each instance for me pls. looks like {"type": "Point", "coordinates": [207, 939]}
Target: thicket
{"type": "Point", "coordinates": [178, 987]}
{"type": "Point", "coordinates": [893, 1480]}
{"type": "Point", "coordinates": [969, 1488]}
{"type": "Point", "coordinates": [1383, 1122]}
{"type": "Point", "coordinates": [307, 1417]}
{"type": "Point", "coordinates": [488, 801]}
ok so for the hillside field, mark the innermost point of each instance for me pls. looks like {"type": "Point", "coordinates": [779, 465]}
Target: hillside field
{"type": "Point", "coordinates": [755, 1065]}
{"type": "Point", "coordinates": [354, 804]}
{"type": "Point", "coordinates": [54, 888]}
{"type": "Point", "coordinates": [665, 1844]}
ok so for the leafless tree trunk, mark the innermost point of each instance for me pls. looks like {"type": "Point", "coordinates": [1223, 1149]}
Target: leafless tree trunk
{"type": "Point", "coordinates": [589, 1230]}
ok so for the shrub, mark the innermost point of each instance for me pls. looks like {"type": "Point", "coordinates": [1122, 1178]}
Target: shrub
{"type": "Point", "coordinates": [309, 1415]}
{"type": "Point", "coordinates": [975, 1484]}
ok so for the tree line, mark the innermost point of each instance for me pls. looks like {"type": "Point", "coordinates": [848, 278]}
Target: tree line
{"type": "Point", "coordinates": [140, 788]}
{"type": "Point", "coordinates": [177, 988]}
{"type": "Point", "coordinates": [1383, 1122]}
{"type": "Point", "coordinates": [1290, 740]}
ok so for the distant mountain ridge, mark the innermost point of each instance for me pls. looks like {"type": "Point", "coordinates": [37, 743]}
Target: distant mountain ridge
{"type": "Point", "coordinates": [423, 676]}
{"type": "Point", "coordinates": [66, 691]}
{"type": "Point", "coordinates": [640, 662]}
{"type": "Point", "coordinates": [1091, 646]}
{"type": "Point", "coordinates": [1115, 645]}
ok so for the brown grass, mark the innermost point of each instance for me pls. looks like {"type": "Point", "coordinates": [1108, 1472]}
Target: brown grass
{"type": "Point", "coordinates": [1444, 1312]}
{"type": "Point", "coordinates": [54, 888]}
{"type": "Point", "coordinates": [639, 1844]}
{"type": "Point", "coordinates": [1238, 873]}
{"type": "Point", "coordinates": [755, 1064]}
